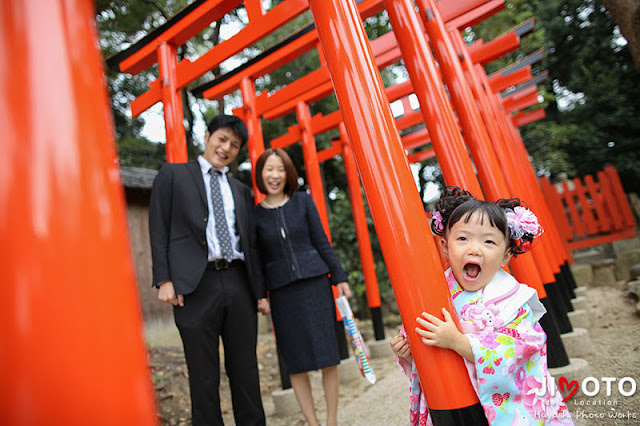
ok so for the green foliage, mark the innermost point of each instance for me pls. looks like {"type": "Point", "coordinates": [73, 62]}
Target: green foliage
{"type": "Point", "coordinates": [589, 59]}
{"type": "Point", "coordinates": [139, 152]}
{"type": "Point", "coordinates": [122, 23]}
{"type": "Point", "coordinates": [592, 98]}
{"type": "Point", "coordinates": [547, 142]}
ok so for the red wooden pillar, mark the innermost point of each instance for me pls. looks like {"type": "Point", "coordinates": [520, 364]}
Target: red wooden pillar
{"type": "Point", "coordinates": [480, 96]}
{"type": "Point", "coordinates": [560, 251]}
{"type": "Point", "coordinates": [408, 248]}
{"type": "Point", "coordinates": [72, 347]}
{"type": "Point", "coordinates": [176, 145]}
{"type": "Point", "coordinates": [557, 209]}
{"type": "Point", "coordinates": [568, 194]}
{"type": "Point", "coordinates": [311, 164]}
{"type": "Point", "coordinates": [475, 133]}
{"type": "Point", "coordinates": [314, 179]}
{"type": "Point", "coordinates": [557, 254]}
{"type": "Point", "coordinates": [255, 145]}
{"type": "Point", "coordinates": [604, 224]}
{"type": "Point", "coordinates": [362, 233]}
{"type": "Point", "coordinates": [435, 106]}
{"type": "Point", "coordinates": [547, 252]}
{"type": "Point", "coordinates": [489, 171]}
{"type": "Point", "coordinates": [493, 119]}
{"type": "Point", "coordinates": [511, 167]}
{"type": "Point", "coordinates": [546, 257]}
{"type": "Point", "coordinates": [587, 209]}
{"type": "Point", "coordinates": [611, 204]}
{"type": "Point", "coordinates": [557, 354]}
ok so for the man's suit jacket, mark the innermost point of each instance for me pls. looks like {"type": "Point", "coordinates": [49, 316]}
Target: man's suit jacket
{"type": "Point", "coordinates": [178, 215]}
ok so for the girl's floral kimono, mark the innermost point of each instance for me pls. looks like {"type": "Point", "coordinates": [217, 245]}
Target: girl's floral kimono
{"type": "Point", "coordinates": [510, 371]}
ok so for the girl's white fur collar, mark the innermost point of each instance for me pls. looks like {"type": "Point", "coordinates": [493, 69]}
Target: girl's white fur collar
{"type": "Point", "coordinates": [503, 283]}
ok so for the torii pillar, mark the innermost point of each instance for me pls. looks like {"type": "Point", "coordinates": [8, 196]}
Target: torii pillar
{"type": "Point", "coordinates": [72, 351]}
{"type": "Point", "coordinates": [557, 354]}
{"type": "Point", "coordinates": [176, 144]}
{"type": "Point", "coordinates": [544, 257]}
{"type": "Point", "coordinates": [255, 144]}
{"type": "Point", "coordinates": [362, 233]}
{"type": "Point", "coordinates": [396, 208]}
{"type": "Point", "coordinates": [476, 135]}
{"type": "Point", "coordinates": [314, 179]}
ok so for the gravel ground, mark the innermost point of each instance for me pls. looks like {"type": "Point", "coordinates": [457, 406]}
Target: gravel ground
{"type": "Point", "coordinates": [615, 334]}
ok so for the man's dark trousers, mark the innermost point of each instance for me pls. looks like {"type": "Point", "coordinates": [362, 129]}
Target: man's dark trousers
{"type": "Point", "coordinates": [221, 306]}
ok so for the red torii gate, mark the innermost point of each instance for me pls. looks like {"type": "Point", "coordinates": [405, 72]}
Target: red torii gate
{"type": "Point", "coordinates": [96, 206]}
{"type": "Point", "coordinates": [407, 120]}
{"type": "Point", "coordinates": [443, 52]}
{"type": "Point", "coordinates": [551, 259]}
{"type": "Point", "coordinates": [456, 167]}
{"type": "Point", "coordinates": [386, 50]}
{"type": "Point", "coordinates": [565, 355]}
{"type": "Point", "coordinates": [462, 372]}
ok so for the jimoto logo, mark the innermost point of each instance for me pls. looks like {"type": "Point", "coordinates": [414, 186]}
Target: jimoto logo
{"type": "Point", "coordinates": [591, 386]}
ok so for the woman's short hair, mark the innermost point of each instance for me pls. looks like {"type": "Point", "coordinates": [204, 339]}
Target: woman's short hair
{"type": "Point", "coordinates": [292, 175]}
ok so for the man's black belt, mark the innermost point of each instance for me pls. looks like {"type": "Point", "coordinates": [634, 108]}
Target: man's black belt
{"type": "Point", "coordinates": [222, 264]}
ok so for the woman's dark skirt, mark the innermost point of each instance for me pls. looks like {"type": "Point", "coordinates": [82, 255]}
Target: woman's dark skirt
{"type": "Point", "coordinates": [304, 320]}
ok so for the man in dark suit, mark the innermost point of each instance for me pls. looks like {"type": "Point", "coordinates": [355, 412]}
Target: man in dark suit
{"type": "Point", "coordinates": [205, 263]}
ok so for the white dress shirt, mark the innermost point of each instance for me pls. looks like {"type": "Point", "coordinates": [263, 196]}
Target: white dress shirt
{"type": "Point", "coordinates": [229, 211]}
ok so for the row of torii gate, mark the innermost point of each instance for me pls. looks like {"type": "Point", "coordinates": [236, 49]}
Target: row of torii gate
{"type": "Point", "coordinates": [370, 142]}
{"type": "Point", "coordinates": [79, 154]}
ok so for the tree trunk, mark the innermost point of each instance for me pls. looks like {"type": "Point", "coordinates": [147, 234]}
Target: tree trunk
{"type": "Point", "coordinates": [215, 39]}
{"type": "Point", "coordinates": [626, 13]}
{"type": "Point", "coordinates": [192, 149]}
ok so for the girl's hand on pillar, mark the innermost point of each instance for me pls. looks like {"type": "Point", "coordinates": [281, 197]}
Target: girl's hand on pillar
{"type": "Point", "coordinates": [444, 334]}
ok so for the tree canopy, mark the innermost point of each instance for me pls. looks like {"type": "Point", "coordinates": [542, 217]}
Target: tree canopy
{"type": "Point", "coordinates": [591, 96]}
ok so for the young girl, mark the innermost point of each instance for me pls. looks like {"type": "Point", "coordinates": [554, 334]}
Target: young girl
{"type": "Point", "coordinates": [502, 343]}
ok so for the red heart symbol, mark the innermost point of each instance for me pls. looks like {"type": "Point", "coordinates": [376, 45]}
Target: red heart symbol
{"type": "Point", "coordinates": [572, 387]}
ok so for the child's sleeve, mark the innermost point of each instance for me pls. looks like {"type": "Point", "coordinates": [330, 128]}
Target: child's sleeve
{"type": "Point", "coordinates": [498, 353]}
{"type": "Point", "coordinates": [419, 412]}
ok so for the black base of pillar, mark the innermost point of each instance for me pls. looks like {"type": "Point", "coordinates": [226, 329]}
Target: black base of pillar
{"type": "Point", "coordinates": [343, 346]}
{"type": "Point", "coordinates": [556, 353]}
{"type": "Point", "coordinates": [566, 271]}
{"type": "Point", "coordinates": [378, 326]}
{"type": "Point", "coordinates": [557, 306]}
{"type": "Point", "coordinates": [284, 373]}
{"type": "Point", "coordinates": [563, 290]}
{"type": "Point", "coordinates": [466, 416]}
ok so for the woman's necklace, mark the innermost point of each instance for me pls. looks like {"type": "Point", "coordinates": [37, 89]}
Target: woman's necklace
{"type": "Point", "coordinates": [284, 201]}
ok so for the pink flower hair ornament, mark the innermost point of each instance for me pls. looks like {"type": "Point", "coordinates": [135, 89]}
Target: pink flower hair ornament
{"type": "Point", "coordinates": [523, 228]}
{"type": "Point", "coordinates": [437, 220]}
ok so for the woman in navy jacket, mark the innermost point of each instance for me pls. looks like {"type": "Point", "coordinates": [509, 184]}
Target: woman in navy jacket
{"type": "Point", "coordinates": [297, 260]}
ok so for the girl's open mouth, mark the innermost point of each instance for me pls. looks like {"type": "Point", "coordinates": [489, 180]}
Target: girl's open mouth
{"type": "Point", "coordinates": [471, 271]}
